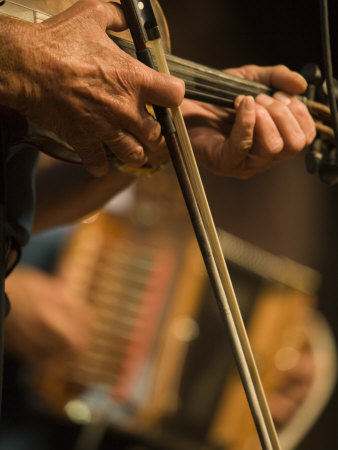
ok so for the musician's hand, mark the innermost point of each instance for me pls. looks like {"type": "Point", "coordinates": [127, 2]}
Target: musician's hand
{"type": "Point", "coordinates": [45, 321]}
{"type": "Point", "coordinates": [66, 75]}
{"type": "Point", "coordinates": [265, 130]}
{"type": "Point", "coordinates": [292, 389]}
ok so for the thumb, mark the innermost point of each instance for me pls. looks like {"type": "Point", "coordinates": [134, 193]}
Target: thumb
{"type": "Point", "coordinates": [287, 80]}
{"type": "Point", "coordinates": [279, 77]}
{"type": "Point", "coordinates": [162, 89]}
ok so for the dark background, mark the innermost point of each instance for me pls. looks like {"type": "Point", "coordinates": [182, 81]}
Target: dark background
{"type": "Point", "coordinates": [286, 210]}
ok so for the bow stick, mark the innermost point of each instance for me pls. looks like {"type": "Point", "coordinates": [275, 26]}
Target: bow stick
{"type": "Point", "coordinates": [143, 28]}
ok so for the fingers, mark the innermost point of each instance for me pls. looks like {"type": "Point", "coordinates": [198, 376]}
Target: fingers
{"type": "Point", "coordinates": [268, 139]}
{"type": "Point", "coordinates": [279, 77]}
{"type": "Point", "coordinates": [291, 119]}
{"type": "Point", "coordinates": [242, 133]}
{"type": "Point", "coordinates": [223, 156]}
{"type": "Point", "coordinates": [283, 123]}
{"type": "Point", "coordinates": [135, 149]}
{"type": "Point", "coordinates": [254, 140]}
{"type": "Point", "coordinates": [264, 132]}
{"type": "Point", "coordinates": [93, 157]}
{"type": "Point", "coordinates": [291, 137]}
{"type": "Point", "coordinates": [105, 90]}
{"type": "Point", "coordinates": [302, 114]}
{"type": "Point", "coordinates": [127, 148]}
{"type": "Point", "coordinates": [158, 88]}
{"type": "Point", "coordinates": [164, 90]}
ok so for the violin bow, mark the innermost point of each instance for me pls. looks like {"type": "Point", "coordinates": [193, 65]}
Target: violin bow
{"type": "Point", "coordinates": [143, 27]}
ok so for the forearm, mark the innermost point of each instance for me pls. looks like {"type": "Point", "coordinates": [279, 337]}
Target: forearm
{"type": "Point", "coordinates": [67, 192]}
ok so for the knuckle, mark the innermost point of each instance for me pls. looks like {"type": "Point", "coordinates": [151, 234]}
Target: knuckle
{"type": "Point", "coordinates": [275, 145]}
{"type": "Point", "coordinates": [311, 134]}
{"type": "Point", "coordinates": [145, 81]}
{"type": "Point", "coordinates": [135, 157]}
{"type": "Point", "coordinates": [280, 111]}
{"type": "Point", "coordinates": [299, 142]}
{"type": "Point", "coordinates": [250, 67]}
{"type": "Point", "coordinates": [115, 140]}
{"type": "Point", "coordinates": [128, 150]}
{"type": "Point", "coordinates": [261, 112]}
{"type": "Point", "coordinates": [245, 145]}
{"type": "Point", "coordinates": [152, 129]}
{"type": "Point", "coordinates": [127, 115]}
{"type": "Point", "coordinates": [281, 67]}
{"type": "Point", "coordinates": [94, 5]}
{"type": "Point", "coordinates": [298, 107]}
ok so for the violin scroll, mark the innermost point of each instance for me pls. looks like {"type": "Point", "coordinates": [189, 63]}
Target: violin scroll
{"type": "Point", "coordinates": [322, 156]}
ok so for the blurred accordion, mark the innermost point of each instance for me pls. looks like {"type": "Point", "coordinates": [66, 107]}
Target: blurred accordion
{"type": "Point", "coordinates": [159, 365]}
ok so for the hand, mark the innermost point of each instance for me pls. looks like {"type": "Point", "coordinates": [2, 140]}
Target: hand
{"type": "Point", "coordinates": [68, 76]}
{"type": "Point", "coordinates": [265, 130]}
{"type": "Point", "coordinates": [45, 320]}
{"type": "Point", "coordinates": [293, 388]}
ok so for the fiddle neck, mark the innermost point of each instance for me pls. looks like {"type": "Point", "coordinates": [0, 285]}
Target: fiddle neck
{"type": "Point", "coordinates": [211, 85]}
{"type": "Point", "coordinates": [204, 83]}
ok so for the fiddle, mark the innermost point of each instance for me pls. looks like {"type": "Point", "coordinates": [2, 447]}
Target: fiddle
{"type": "Point", "coordinates": [204, 221]}
{"type": "Point", "coordinates": [202, 83]}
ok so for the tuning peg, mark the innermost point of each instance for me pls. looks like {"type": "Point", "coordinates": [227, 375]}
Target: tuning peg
{"type": "Point", "coordinates": [313, 75]}
{"type": "Point", "coordinates": [322, 160]}
{"type": "Point", "coordinates": [328, 167]}
{"type": "Point", "coordinates": [314, 156]}
{"type": "Point", "coordinates": [335, 88]}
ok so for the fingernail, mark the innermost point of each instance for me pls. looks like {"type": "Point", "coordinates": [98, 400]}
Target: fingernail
{"type": "Point", "coordinates": [249, 103]}
{"type": "Point", "coordinates": [238, 100]}
{"type": "Point", "coordinates": [264, 100]}
{"type": "Point", "coordinates": [280, 96]}
{"type": "Point", "coordinates": [299, 76]}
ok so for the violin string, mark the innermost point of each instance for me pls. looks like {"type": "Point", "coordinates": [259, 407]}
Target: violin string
{"type": "Point", "coordinates": [229, 306]}
{"type": "Point", "coordinates": [214, 77]}
{"type": "Point", "coordinates": [203, 82]}
{"type": "Point", "coordinates": [194, 94]}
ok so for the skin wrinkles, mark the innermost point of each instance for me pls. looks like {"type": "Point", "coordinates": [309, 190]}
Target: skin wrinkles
{"type": "Point", "coordinates": [272, 140]}
{"type": "Point", "coordinates": [69, 76]}
{"type": "Point", "coordinates": [98, 94]}
{"type": "Point", "coordinates": [95, 89]}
